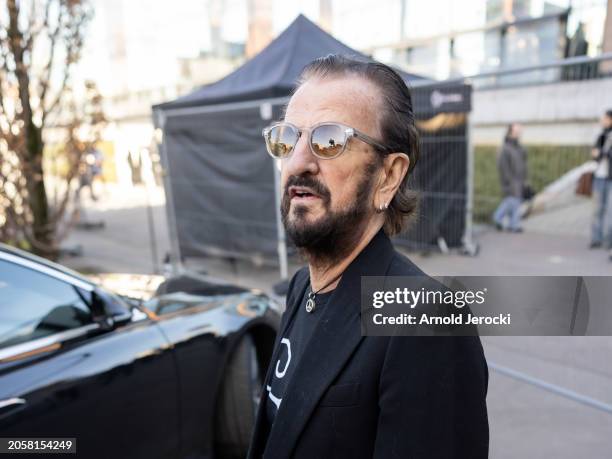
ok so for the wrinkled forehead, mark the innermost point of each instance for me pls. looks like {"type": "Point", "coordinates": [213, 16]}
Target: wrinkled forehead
{"type": "Point", "coordinates": [352, 100]}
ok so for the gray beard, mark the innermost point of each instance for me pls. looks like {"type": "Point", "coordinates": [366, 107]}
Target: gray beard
{"type": "Point", "coordinates": [332, 238]}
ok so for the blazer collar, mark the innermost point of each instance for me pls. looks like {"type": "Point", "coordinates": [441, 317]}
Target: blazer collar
{"type": "Point", "coordinates": [332, 343]}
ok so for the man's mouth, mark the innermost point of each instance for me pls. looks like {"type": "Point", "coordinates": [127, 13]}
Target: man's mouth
{"type": "Point", "coordinates": [302, 194]}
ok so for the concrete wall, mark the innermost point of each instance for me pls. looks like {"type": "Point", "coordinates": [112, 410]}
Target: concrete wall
{"type": "Point", "coordinates": [564, 113]}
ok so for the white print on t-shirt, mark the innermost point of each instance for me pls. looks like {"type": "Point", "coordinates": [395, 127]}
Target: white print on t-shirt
{"type": "Point", "coordinates": [280, 374]}
{"type": "Point", "coordinates": [274, 399]}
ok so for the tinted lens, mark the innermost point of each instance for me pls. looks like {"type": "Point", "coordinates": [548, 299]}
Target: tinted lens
{"type": "Point", "coordinates": [328, 140]}
{"type": "Point", "coordinates": [281, 140]}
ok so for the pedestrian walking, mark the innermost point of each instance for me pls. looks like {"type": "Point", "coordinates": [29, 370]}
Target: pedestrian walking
{"type": "Point", "coordinates": [601, 228]}
{"type": "Point", "coordinates": [512, 167]}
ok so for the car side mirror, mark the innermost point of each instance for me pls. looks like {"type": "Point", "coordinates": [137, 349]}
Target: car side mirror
{"type": "Point", "coordinates": [109, 311]}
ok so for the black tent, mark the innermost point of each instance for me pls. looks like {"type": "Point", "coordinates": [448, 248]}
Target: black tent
{"type": "Point", "coordinates": [219, 181]}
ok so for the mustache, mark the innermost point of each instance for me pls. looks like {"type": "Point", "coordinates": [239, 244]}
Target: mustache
{"type": "Point", "coordinates": [305, 181]}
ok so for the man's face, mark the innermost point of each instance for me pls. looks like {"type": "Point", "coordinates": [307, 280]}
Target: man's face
{"type": "Point", "coordinates": [338, 200]}
{"type": "Point", "coordinates": [606, 121]}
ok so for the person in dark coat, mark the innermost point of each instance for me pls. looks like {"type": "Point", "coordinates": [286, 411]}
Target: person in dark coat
{"type": "Point", "coordinates": [512, 167]}
{"type": "Point", "coordinates": [601, 228]}
{"type": "Point", "coordinates": [347, 146]}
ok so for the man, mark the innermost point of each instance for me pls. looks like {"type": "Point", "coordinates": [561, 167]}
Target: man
{"type": "Point", "coordinates": [601, 228]}
{"type": "Point", "coordinates": [347, 146]}
{"type": "Point", "coordinates": [512, 167]}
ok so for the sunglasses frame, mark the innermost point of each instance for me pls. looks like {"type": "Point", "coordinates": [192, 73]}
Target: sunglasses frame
{"type": "Point", "coordinates": [349, 133]}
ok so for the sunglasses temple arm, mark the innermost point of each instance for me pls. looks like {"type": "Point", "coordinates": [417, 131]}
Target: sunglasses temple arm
{"type": "Point", "coordinates": [370, 140]}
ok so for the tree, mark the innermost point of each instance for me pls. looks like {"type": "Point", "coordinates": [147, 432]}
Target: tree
{"type": "Point", "coordinates": [40, 43]}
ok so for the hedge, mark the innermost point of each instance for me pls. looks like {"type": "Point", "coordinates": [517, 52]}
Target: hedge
{"type": "Point", "coordinates": [545, 163]}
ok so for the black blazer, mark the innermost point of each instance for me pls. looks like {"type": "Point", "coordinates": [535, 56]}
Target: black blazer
{"type": "Point", "coordinates": [385, 397]}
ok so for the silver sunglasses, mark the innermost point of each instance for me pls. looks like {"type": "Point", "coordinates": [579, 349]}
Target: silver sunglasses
{"type": "Point", "coordinates": [326, 140]}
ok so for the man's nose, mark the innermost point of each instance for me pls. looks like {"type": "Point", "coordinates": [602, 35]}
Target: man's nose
{"type": "Point", "coordinates": [301, 160]}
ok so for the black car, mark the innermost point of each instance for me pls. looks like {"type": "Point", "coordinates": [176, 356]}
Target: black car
{"type": "Point", "coordinates": [178, 376]}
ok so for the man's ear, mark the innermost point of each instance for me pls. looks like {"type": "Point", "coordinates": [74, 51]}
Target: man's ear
{"type": "Point", "coordinates": [395, 168]}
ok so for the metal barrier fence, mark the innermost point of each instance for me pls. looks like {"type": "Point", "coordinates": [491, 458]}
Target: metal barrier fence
{"type": "Point", "coordinates": [458, 180]}
{"type": "Point", "coordinates": [570, 69]}
{"type": "Point", "coordinates": [442, 178]}
{"type": "Point", "coordinates": [547, 161]}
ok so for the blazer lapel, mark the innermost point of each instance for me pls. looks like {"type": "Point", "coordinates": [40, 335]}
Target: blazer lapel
{"type": "Point", "coordinates": [332, 343]}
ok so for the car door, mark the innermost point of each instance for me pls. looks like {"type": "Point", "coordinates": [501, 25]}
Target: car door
{"type": "Point", "coordinates": [65, 374]}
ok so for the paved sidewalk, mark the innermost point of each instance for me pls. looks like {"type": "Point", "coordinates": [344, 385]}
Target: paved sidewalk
{"type": "Point", "coordinates": [125, 244]}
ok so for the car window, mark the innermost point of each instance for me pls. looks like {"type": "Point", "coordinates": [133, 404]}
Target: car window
{"type": "Point", "coordinates": [34, 305]}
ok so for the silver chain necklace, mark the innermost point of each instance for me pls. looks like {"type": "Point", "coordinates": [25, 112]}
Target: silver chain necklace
{"type": "Point", "coordinates": [310, 302]}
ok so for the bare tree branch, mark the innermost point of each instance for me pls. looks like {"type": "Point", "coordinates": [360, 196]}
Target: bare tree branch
{"type": "Point", "coordinates": [16, 46]}
{"type": "Point", "coordinates": [25, 90]}
{"type": "Point", "coordinates": [74, 44]}
{"type": "Point", "coordinates": [4, 88]}
{"type": "Point", "coordinates": [53, 36]}
{"type": "Point", "coordinates": [28, 35]}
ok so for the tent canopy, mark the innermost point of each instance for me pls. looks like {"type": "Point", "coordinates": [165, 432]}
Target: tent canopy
{"type": "Point", "coordinates": [274, 71]}
{"type": "Point", "coordinates": [220, 182]}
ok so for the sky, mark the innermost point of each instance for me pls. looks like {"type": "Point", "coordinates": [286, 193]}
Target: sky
{"type": "Point", "coordinates": [154, 34]}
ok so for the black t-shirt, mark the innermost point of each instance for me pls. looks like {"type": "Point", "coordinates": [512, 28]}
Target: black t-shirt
{"type": "Point", "coordinates": [292, 345]}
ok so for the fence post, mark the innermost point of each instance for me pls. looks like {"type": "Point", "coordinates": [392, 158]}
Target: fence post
{"type": "Point", "coordinates": [265, 110]}
{"type": "Point", "coordinates": [175, 252]}
{"type": "Point", "coordinates": [469, 246]}
{"type": "Point", "coordinates": [282, 243]}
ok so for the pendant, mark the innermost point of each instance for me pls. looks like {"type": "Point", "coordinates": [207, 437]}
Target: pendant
{"type": "Point", "coordinates": [310, 305]}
